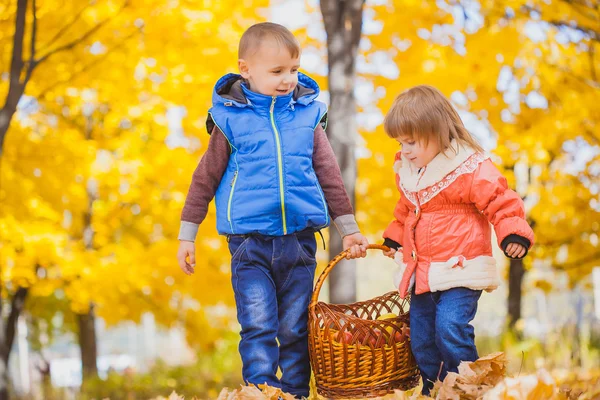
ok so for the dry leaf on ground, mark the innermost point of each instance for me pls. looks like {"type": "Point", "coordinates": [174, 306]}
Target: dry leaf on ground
{"type": "Point", "coordinates": [265, 392]}
{"type": "Point", "coordinates": [473, 379]}
{"type": "Point", "coordinates": [528, 387]}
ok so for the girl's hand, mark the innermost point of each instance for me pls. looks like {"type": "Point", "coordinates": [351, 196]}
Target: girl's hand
{"type": "Point", "coordinates": [186, 250]}
{"type": "Point", "coordinates": [515, 250]}
{"type": "Point", "coordinates": [390, 253]}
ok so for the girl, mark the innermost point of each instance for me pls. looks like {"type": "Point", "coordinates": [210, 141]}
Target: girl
{"type": "Point", "coordinates": [441, 235]}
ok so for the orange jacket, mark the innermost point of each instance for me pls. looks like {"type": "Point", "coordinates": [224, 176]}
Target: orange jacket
{"type": "Point", "coordinates": [442, 221]}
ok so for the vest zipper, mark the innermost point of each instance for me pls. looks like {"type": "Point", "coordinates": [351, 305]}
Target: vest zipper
{"type": "Point", "coordinates": [235, 175]}
{"type": "Point", "coordinates": [279, 165]}
{"type": "Point", "coordinates": [324, 205]}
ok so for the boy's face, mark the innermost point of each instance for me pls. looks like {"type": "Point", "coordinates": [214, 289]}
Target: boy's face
{"type": "Point", "coordinates": [416, 152]}
{"type": "Point", "coordinates": [271, 70]}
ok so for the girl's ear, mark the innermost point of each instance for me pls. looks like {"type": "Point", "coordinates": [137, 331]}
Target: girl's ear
{"type": "Point", "coordinates": [243, 67]}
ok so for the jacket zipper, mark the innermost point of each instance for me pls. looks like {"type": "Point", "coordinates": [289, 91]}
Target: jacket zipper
{"type": "Point", "coordinates": [279, 165]}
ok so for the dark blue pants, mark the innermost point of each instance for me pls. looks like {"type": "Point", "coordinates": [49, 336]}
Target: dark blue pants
{"type": "Point", "coordinates": [440, 331]}
{"type": "Point", "coordinates": [272, 278]}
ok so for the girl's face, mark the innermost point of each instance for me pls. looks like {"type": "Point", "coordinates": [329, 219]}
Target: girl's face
{"type": "Point", "coordinates": [416, 152]}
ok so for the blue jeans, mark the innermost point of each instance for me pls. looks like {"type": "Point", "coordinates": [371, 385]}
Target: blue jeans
{"type": "Point", "coordinates": [440, 331]}
{"type": "Point", "coordinates": [272, 278]}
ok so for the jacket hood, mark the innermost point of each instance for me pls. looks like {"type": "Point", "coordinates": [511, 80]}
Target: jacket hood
{"type": "Point", "coordinates": [233, 90]}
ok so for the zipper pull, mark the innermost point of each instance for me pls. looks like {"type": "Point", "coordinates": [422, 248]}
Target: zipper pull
{"type": "Point", "coordinates": [233, 180]}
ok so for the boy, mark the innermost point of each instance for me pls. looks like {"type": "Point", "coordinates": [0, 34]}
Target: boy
{"type": "Point", "coordinates": [276, 182]}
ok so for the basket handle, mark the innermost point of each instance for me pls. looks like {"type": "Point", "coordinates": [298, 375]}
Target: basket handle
{"type": "Point", "coordinates": [329, 267]}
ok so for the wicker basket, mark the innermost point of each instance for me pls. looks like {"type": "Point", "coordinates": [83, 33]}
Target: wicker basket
{"type": "Point", "coordinates": [355, 354]}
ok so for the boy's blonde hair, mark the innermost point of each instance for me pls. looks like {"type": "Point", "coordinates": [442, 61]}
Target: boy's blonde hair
{"type": "Point", "coordinates": [423, 113]}
{"type": "Point", "coordinates": [253, 37]}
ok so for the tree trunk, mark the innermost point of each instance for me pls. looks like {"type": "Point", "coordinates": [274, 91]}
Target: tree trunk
{"type": "Point", "coordinates": [87, 325]}
{"type": "Point", "coordinates": [343, 24]}
{"type": "Point", "coordinates": [44, 371]}
{"type": "Point", "coordinates": [87, 343]}
{"type": "Point", "coordinates": [7, 336]}
{"type": "Point", "coordinates": [515, 280]}
{"type": "Point", "coordinates": [16, 87]}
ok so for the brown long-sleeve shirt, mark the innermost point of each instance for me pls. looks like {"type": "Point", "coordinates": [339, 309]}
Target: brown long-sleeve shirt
{"type": "Point", "coordinates": [212, 166]}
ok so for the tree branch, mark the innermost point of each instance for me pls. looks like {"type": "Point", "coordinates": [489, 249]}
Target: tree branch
{"type": "Point", "coordinates": [16, 64]}
{"type": "Point", "coordinates": [15, 87]}
{"type": "Point", "coordinates": [556, 243]}
{"type": "Point", "coordinates": [79, 40]}
{"type": "Point", "coordinates": [592, 54]}
{"type": "Point", "coordinates": [580, 8]}
{"type": "Point", "coordinates": [594, 136]}
{"type": "Point", "coordinates": [66, 27]}
{"type": "Point", "coordinates": [33, 38]}
{"type": "Point", "coordinates": [579, 263]}
{"type": "Point", "coordinates": [94, 63]}
{"type": "Point", "coordinates": [593, 34]}
{"type": "Point", "coordinates": [588, 82]}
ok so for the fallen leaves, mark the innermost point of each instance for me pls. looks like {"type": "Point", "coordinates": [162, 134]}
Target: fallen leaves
{"type": "Point", "coordinates": [172, 396]}
{"type": "Point", "coordinates": [264, 392]}
{"type": "Point", "coordinates": [529, 387]}
{"type": "Point", "coordinates": [473, 378]}
{"type": "Point", "coordinates": [483, 379]}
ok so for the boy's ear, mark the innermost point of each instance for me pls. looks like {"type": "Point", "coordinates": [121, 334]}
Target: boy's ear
{"type": "Point", "coordinates": [243, 67]}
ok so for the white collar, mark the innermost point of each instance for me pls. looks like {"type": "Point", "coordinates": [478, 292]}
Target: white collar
{"type": "Point", "coordinates": [441, 165]}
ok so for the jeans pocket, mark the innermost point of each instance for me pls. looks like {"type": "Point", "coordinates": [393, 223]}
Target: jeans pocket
{"type": "Point", "coordinates": [307, 248]}
{"type": "Point", "coordinates": [237, 245]}
{"type": "Point", "coordinates": [435, 297]}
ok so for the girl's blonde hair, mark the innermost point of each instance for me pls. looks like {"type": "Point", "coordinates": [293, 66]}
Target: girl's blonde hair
{"type": "Point", "coordinates": [423, 113]}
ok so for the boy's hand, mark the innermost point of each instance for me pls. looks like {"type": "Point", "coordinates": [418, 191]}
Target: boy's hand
{"type": "Point", "coordinates": [186, 249]}
{"type": "Point", "coordinates": [390, 253]}
{"type": "Point", "coordinates": [515, 250]}
{"type": "Point", "coordinates": [357, 244]}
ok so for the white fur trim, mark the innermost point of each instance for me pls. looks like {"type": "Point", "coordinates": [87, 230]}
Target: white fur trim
{"type": "Point", "coordinates": [397, 166]}
{"type": "Point", "coordinates": [479, 273]}
{"type": "Point", "coordinates": [465, 168]}
{"type": "Point", "coordinates": [436, 170]}
{"type": "Point", "coordinates": [399, 259]}
{"type": "Point", "coordinates": [440, 173]}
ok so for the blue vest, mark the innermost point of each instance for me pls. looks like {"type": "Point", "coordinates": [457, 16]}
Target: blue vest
{"type": "Point", "coordinates": [270, 186]}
